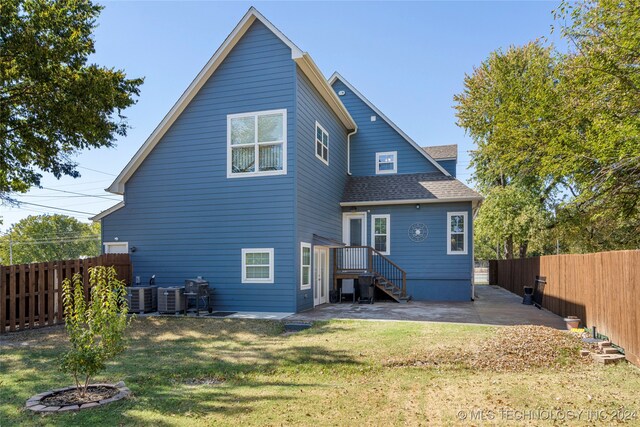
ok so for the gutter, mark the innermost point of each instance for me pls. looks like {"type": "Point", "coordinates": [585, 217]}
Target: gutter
{"type": "Point", "coordinates": [349, 135]}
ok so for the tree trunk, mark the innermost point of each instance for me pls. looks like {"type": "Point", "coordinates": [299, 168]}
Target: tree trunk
{"type": "Point", "coordinates": [523, 249]}
{"type": "Point", "coordinates": [508, 247]}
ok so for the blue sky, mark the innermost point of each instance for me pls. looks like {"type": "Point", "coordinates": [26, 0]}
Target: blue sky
{"type": "Point", "coordinates": [408, 58]}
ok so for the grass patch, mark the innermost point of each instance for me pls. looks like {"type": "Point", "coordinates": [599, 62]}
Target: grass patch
{"type": "Point", "coordinates": [186, 372]}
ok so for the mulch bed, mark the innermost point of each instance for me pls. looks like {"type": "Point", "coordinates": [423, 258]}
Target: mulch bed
{"type": "Point", "coordinates": [73, 397]}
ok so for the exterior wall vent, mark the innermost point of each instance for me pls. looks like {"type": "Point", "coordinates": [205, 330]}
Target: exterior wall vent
{"type": "Point", "coordinates": [342, 93]}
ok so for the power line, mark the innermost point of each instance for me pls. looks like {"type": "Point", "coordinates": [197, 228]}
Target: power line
{"type": "Point", "coordinates": [78, 194]}
{"type": "Point", "coordinates": [53, 207]}
{"type": "Point", "coordinates": [38, 242]}
{"type": "Point", "coordinates": [95, 170]}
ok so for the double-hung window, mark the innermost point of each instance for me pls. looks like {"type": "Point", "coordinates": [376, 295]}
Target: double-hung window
{"type": "Point", "coordinates": [381, 233]}
{"type": "Point", "coordinates": [322, 144]}
{"type": "Point", "coordinates": [457, 226]}
{"type": "Point", "coordinates": [305, 265]}
{"type": "Point", "coordinates": [257, 265]}
{"type": "Point", "coordinates": [257, 143]}
{"type": "Point", "coordinates": [386, 162]}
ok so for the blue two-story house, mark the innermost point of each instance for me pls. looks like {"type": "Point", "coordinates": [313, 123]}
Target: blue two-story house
{"type": "Point", "coordinates": [278, 186]}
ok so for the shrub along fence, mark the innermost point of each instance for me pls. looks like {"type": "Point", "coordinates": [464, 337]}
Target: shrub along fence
{"type": "Point", "coordinates": [31, 294]}
{"type": "Point", "coordinates": [602, 289]}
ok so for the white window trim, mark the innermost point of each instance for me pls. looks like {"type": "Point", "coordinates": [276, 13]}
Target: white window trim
{"type": "Point", "coordinates": [245, 279]}
{"type": "Point", "coordinates": [465, 233]}
{"type": "Point", "coordinates": [115, 243]}
{"type": "Point", "coordinates": [230, 173]}
{"type": "Point", "coordinates": [315, 145]}
{"type": "Point", "coordinates": [388, 234]}
{"type": "Point", "coordinates": [395, 162]}
{"type": "Point", "coordinates": [308, 246]}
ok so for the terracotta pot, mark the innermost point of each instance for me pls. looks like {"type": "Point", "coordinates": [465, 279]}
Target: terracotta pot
{"type": "Point", "coordinates": [572, 322]}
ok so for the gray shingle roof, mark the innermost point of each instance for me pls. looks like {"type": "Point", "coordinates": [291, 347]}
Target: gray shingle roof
{"type": "Point", "coordinates": [420, 186]}
{"type": "Point", "coordinates": [442, 151]}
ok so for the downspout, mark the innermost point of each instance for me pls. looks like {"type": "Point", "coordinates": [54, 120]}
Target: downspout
{"type": "Point", "coordinates": [349, 150]}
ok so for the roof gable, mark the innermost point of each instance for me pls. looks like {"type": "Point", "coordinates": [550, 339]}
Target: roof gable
{"type": "Point", "coordinates": [419, 150]}
{"type": "Point", "coordinates": [442, 152]}
{"type": "Point", "coordinates": [302, 59]}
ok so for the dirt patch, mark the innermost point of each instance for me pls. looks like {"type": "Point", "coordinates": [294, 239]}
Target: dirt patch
{"type": "Point", "coordinates": [510, 349]}
{"type": "Point", "coordinates": [73, 397]}
{"type": "Point", "coordinates": [203, 381]}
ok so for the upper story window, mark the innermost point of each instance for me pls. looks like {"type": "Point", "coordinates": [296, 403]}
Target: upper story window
{"type": "Point", "coordinates": [457, 226]}
{"type": "Point", "coordinates": [322, 144]}
{"type": "Point", "coordinates": [257, 143]}
{"type": "Point", "coordinates": [387, 162]}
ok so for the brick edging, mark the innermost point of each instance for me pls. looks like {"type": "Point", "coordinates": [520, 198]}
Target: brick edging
{"type": "Point", "coordinates": [35, 402]}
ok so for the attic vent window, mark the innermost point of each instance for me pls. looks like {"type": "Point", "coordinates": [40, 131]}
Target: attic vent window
{"type": "Point", "coordinates": [374, 118]}
{"type": "Point", "coordinates": [342, 93]}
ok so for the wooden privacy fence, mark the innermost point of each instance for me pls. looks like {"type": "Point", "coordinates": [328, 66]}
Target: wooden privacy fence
{"type": "Point", "coordinates": [602, 289]}
{"type": "Point", "coordinates": [31, 294]}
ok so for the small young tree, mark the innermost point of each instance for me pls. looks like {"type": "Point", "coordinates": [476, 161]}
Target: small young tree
{"type": "Point", "coordinates": [95, 328]}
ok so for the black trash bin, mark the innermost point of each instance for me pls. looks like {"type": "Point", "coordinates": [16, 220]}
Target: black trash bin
{"type": "Point", "coordinates": [366, 287]}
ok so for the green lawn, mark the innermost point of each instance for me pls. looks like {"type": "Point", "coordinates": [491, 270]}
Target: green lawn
{"type": "Point", "coordinates": [337, 373]}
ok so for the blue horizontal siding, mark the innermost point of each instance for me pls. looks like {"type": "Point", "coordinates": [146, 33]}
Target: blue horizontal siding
{"type": "Point", "coordinates": [450, 166]}
{"type": "Point", "coordinates": [378, 136]}
{"type": "Point", "coordinates": [186, 218]}
{"type": "Point", "coordinates": [319, 186]}
{"type": "Point", "coordinates": [431, 273]}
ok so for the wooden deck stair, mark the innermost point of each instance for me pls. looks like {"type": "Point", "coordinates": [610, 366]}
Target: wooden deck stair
{"type": "Point", "coordinates": [350, 262]}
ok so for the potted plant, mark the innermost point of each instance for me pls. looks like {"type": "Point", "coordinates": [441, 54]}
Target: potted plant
{"type": "Point", "coordinates": [573, 322]}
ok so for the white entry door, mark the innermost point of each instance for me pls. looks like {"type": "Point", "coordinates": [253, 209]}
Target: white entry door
{"type": "Point", "coordinates": [320, 275]}
{"type": "Point", "coordinates": [354, 233]}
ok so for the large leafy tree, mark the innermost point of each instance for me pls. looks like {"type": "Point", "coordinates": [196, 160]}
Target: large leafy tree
{"type": "Point", "coordinates": [53, 101]}
{"type": "Point", "coordinates": [601, 144]}
{"type": "Point", "coordinates": [564, 130]}
{"type": "Point", "coordinates": [48, 238]}
{"type": "Point", "coordinates": [510, 108]}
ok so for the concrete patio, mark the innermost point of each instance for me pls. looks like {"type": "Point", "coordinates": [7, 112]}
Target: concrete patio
{"type": "Point", "coordinates": [492, 306]}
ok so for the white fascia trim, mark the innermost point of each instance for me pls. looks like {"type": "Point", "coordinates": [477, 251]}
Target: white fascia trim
{"type": "Point", "coordinates": [415, 145]}
{"type": "Point", "coordinates": [256, 144]}
{"type": "Point", "coordinates": [303, 245]}
{"type": "Point", "coordinates": [117, 187]}
{"type": "Point", "coordinates": [395, 162]}
{"type": "Point", "coordinates": [410, 201]}
{"type": "Point", "coordinates": [311, 70]}
{"type": "Point", "coordinates": [104, 213]}
{"type": "Point", "coordinates": [388, 234]}
{"type": "Point", "coordinates": [465, 233]}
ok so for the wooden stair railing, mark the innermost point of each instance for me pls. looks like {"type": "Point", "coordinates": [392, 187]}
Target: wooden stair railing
{"type": "Point", "coordinates": [350, 261]}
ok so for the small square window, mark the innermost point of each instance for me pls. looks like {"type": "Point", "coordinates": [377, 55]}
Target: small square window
{"type": "Point", "coordinates": [386, 162]}
{"type": "Point", "coordinates": [257, 265]}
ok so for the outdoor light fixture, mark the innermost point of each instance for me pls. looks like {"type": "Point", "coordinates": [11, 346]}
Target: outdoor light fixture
{"type": "Point", "coordinates": [417, 206]}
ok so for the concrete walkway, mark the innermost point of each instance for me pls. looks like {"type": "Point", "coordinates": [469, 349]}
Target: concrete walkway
{"type": "Point", "coordinates": [493, 306]}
